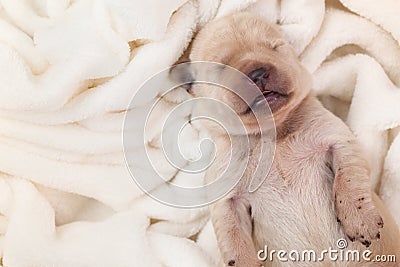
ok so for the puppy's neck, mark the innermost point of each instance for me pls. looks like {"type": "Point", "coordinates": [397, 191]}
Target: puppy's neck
{"type": "Point", "coordinates": [295, 120]}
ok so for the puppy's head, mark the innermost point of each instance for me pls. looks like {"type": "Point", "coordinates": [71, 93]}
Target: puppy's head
{"type": "Point", "coordinates": [258, 50]}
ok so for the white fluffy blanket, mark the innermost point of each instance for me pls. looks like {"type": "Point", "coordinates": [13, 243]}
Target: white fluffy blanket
{"type": "Point", "coordinates": [67, 71]}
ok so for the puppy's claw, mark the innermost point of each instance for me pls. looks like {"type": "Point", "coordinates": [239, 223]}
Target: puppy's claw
{"type": "Point", "coordinates": [244, 263]}
{"type": "Point", "coordinates": [366, 243]}
{"type": "Point", "coordinates": [351, 238]}
{"type": "Point", "coordinates": [359, 217]}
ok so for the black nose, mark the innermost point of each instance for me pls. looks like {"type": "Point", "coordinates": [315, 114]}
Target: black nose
{"type": "Point", "coordinates": [259, 76]}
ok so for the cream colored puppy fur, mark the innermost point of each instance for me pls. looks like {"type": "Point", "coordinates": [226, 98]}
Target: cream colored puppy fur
{"type": "Point", "coordinates": [318, 188]}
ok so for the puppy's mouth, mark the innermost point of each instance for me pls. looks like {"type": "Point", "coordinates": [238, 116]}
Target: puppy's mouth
{"type": "Point", "coordinates": [270, 96]}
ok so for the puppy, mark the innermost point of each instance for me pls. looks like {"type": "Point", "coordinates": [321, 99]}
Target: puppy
{"type": "Point", "coordinates": [317, 190]}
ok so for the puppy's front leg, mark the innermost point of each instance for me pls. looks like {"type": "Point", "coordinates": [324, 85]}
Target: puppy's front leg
{"type": "Point", "coordinates": [233, 227]}
{"type": "Point", "coordinates": [352, 191]}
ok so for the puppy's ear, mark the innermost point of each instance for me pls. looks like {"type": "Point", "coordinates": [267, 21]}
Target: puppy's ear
{"type": "Point", "coordinates": [182, 74]}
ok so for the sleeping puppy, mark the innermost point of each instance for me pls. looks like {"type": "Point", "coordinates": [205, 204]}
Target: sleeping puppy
{"type": "Point", "coordinates": [317, 190]}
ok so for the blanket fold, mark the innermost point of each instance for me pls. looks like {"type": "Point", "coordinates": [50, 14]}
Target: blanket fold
{"type": "Point", "coordinates": [68, 72]}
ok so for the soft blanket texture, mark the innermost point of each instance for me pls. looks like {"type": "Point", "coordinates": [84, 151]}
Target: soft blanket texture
{"type": "Point", "coordinates": [68, 69]}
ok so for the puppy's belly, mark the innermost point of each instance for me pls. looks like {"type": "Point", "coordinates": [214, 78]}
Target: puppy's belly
{"type": "Point", "coordinates": [295, 210]}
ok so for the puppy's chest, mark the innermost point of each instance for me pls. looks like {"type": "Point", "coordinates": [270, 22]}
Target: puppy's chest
{"type": "Point", "coordinates": [299, 162]}
{"type": "Point", "coordinates": [297, 193]}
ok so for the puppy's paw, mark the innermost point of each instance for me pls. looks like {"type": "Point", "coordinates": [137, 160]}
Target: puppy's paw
{"type": "Point", "coordinates": [359, 217]}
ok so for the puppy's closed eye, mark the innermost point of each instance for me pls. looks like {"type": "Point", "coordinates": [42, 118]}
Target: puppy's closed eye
{"type": "Point", "coordinates": [275, 44]}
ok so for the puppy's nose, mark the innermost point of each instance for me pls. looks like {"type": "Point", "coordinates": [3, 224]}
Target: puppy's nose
{"type": "Point", "coordinates": [259, 76]}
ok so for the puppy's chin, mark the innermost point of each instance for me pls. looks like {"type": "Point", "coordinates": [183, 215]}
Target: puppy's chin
{"type": "Point", "coordinates": [262, 114]}
{"type": "Point", "coordinates": [280, 109]}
